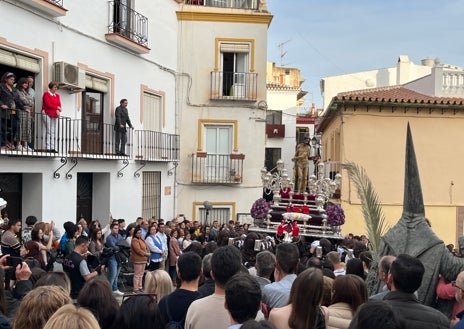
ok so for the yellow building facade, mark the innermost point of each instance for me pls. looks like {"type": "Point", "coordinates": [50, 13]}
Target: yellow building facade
{"type": "Point", "coordinates": [369, 129]}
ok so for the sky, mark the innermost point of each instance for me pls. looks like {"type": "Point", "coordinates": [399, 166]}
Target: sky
{"type": "Point", "coordinates": [332, 37]}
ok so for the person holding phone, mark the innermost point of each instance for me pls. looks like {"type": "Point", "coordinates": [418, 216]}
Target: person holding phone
{"type": "Point", "coordinates": [75, 265]}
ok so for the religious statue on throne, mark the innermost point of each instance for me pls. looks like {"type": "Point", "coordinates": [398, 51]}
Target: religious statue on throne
{"type": "Point", "coordinates": [301, 165]}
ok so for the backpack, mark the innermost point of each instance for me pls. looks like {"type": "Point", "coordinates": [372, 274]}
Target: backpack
{"type": "Point", "coordinates": [173, 324]}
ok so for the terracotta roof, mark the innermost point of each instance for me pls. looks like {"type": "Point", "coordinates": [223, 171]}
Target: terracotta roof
{"type": "Point", "coordinates": [388, 96]}
{"type": "Point", "coordinates": [278, 86]}
{"type": "Point", "coordinates": [395, 94]}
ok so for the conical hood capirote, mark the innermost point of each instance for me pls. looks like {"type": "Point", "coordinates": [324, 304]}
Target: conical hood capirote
{"type": "Point", "coordinates": [413, 203]}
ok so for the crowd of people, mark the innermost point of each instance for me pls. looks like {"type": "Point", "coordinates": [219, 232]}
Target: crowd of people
{"type": "Point", "coordinates": [187, 275]}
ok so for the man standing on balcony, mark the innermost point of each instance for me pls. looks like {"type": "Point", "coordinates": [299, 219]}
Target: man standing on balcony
{"type": "Point", "coordinates": [301, 167]}
{"type": "Point", "coordinates": [121, 120]}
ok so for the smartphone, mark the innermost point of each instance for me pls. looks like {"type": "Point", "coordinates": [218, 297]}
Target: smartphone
{"type": "Point", "coordinates": [13, 261]}
{"type": "Point", "coordinates": [319, 252]}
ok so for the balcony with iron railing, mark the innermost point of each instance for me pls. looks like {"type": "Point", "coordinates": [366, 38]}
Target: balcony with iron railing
{"type": "Point", "coordinates": [234, 86]}
{"type": "Point", "coordinates": [156, 146]}
{"type": "Point", "coordinates": [238, 4]}
{"type": "Point", "coordinates": [217, 168]}
{"type": "Point", "coordinates": [91, 139]}
{"type": "Point", "coordinates": [53, 8]}
{"type": "Point", "coordinates": [127, 27]}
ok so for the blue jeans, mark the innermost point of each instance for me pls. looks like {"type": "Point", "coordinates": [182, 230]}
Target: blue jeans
{"type": "Point", "coordinates": [113, 273]}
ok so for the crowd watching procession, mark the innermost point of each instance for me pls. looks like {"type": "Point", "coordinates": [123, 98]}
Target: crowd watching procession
{"type": "Point", "coordinates": [180, 274]}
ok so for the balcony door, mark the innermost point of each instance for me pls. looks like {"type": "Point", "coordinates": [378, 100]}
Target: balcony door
{"type": "Point", "coordinates": [92, 123]}
{"type": "Point", "coordinates": [234, 68]}
{"type": "Point", "coordinates": [218, 146]}
{"type": "Point", "coordinates": [122, 15]}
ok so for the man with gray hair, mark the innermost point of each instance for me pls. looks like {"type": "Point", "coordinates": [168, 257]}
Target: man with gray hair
{"type": "Point", "coordinates": [334, 258]}
{"type": "Point", "coordinates": [265, 264]}
{"type": "Point", "coordinates": [207, 288]}
{"type": "Point", "coordinates": [384, 267]}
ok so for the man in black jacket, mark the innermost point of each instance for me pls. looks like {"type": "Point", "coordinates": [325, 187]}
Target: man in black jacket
{"type": "Point", "coordinates": [405, 277]}
{"type": "Point", "coordinates": [121, 120]}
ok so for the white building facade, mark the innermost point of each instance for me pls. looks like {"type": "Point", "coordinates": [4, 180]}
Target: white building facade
{"type": "Point", "coordinates": [99, 52]}
{"type": "Point", "coordinates": [405, 71]}
{"type": "Point", "coordinates": [222, 92]}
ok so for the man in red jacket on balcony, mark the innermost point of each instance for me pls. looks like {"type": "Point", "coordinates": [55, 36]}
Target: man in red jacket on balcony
{"type": "Point", "coordinates": [121, 120]}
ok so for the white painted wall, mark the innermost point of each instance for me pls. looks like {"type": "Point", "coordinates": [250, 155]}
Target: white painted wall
{"type": "Point", "coordinates": [196, 60]}
{"type": "Point", "coordinates": [285, 101]}
{"type": "Point", "coordinates": [404, 71]}
{"type": "Point", "coordinates": [79, 37]}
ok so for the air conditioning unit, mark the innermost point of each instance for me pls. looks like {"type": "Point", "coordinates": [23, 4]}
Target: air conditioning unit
{"type": "Point", "coordinates": [69, 76]}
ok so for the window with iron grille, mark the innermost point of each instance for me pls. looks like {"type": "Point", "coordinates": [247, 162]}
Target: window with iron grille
{"type": "Point", "coordinates": [151, 194]}
{"type": "Point", "coordinates": [222, 215]}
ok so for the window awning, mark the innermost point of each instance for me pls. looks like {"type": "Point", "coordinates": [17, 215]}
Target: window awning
{"type": "Point", "coordinates": [95, 83]}
{"type": "Point", "coordinates": [234, 47]}
{"type": "Point", "coordinates": [20, 61]}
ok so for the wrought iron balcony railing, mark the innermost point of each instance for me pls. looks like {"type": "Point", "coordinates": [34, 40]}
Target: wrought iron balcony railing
{"type": "Point", "coordinates": [90, 139]}
{"type": "Point", "coordinates": [128, 23]}
{"type": "Point", "coordinates": [234, 85]}
{"type": "Point", "coordinates": [152, 145]}
{"type": "Point", "coordinates": [241, 4]}
{"type": "Point", "coordinates": [217, 168]}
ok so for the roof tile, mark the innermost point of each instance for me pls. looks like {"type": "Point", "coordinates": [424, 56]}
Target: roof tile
{"type": "Point", "coordinates": [396, 94]}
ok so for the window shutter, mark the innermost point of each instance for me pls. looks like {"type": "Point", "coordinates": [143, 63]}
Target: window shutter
{"type": "Point", "coordinates": [27, 63]}
{"type": "Point", "coordinates": [7, 58]}
{"type": "Point", "coordinates": [95, 83]}
{"type": "Point", "coordinates": [235, 47]}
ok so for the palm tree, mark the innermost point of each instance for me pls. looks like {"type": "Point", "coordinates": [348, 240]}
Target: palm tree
{"type": "Point", "coordinates": [370, 205]}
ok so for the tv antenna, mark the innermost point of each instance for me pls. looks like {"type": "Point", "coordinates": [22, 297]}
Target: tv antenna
{"type": "Point", "coordinates": [282, 52]}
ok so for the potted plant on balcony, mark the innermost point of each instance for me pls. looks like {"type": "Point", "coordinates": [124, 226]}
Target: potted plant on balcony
{"type": "Point", "coordinates": [259, 211]}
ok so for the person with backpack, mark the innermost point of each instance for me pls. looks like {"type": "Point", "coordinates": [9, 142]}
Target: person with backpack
{"type": "Point", "coordinates": [174, 306]}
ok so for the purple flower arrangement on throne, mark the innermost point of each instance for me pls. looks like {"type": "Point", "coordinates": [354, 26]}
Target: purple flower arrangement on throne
{"type": "Point", "coordinates": [335, 215]}
{"type": "Point", "coordinates": [260, 208]}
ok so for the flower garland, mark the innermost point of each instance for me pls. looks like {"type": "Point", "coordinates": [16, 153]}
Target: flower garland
{"type": "Point", "coordinates": [260, 208]}
{"type": "Point", "coordinates": [335, 215]}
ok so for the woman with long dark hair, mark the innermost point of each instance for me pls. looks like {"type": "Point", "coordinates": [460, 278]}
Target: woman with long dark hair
{"type": "Point", "coordinates": [348, 293]}
{"type": "Point", "coordinates": [304, 308]}
{"type": "Point", "coordinates": [139, 312]}
{"type": "Point", "coordinates": [37, 236]}
{"type": "Point", "coordinates": [96, 296]}
{"type": "Point", "coordinates": [96, 244]}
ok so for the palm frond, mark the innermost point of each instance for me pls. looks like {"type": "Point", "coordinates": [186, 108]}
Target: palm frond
{"type": "Point", "coordinates": [370, 205]}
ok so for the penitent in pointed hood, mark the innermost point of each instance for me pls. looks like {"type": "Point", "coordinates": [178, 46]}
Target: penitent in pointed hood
{"type": "Point", "coordinates": [413, 203]}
